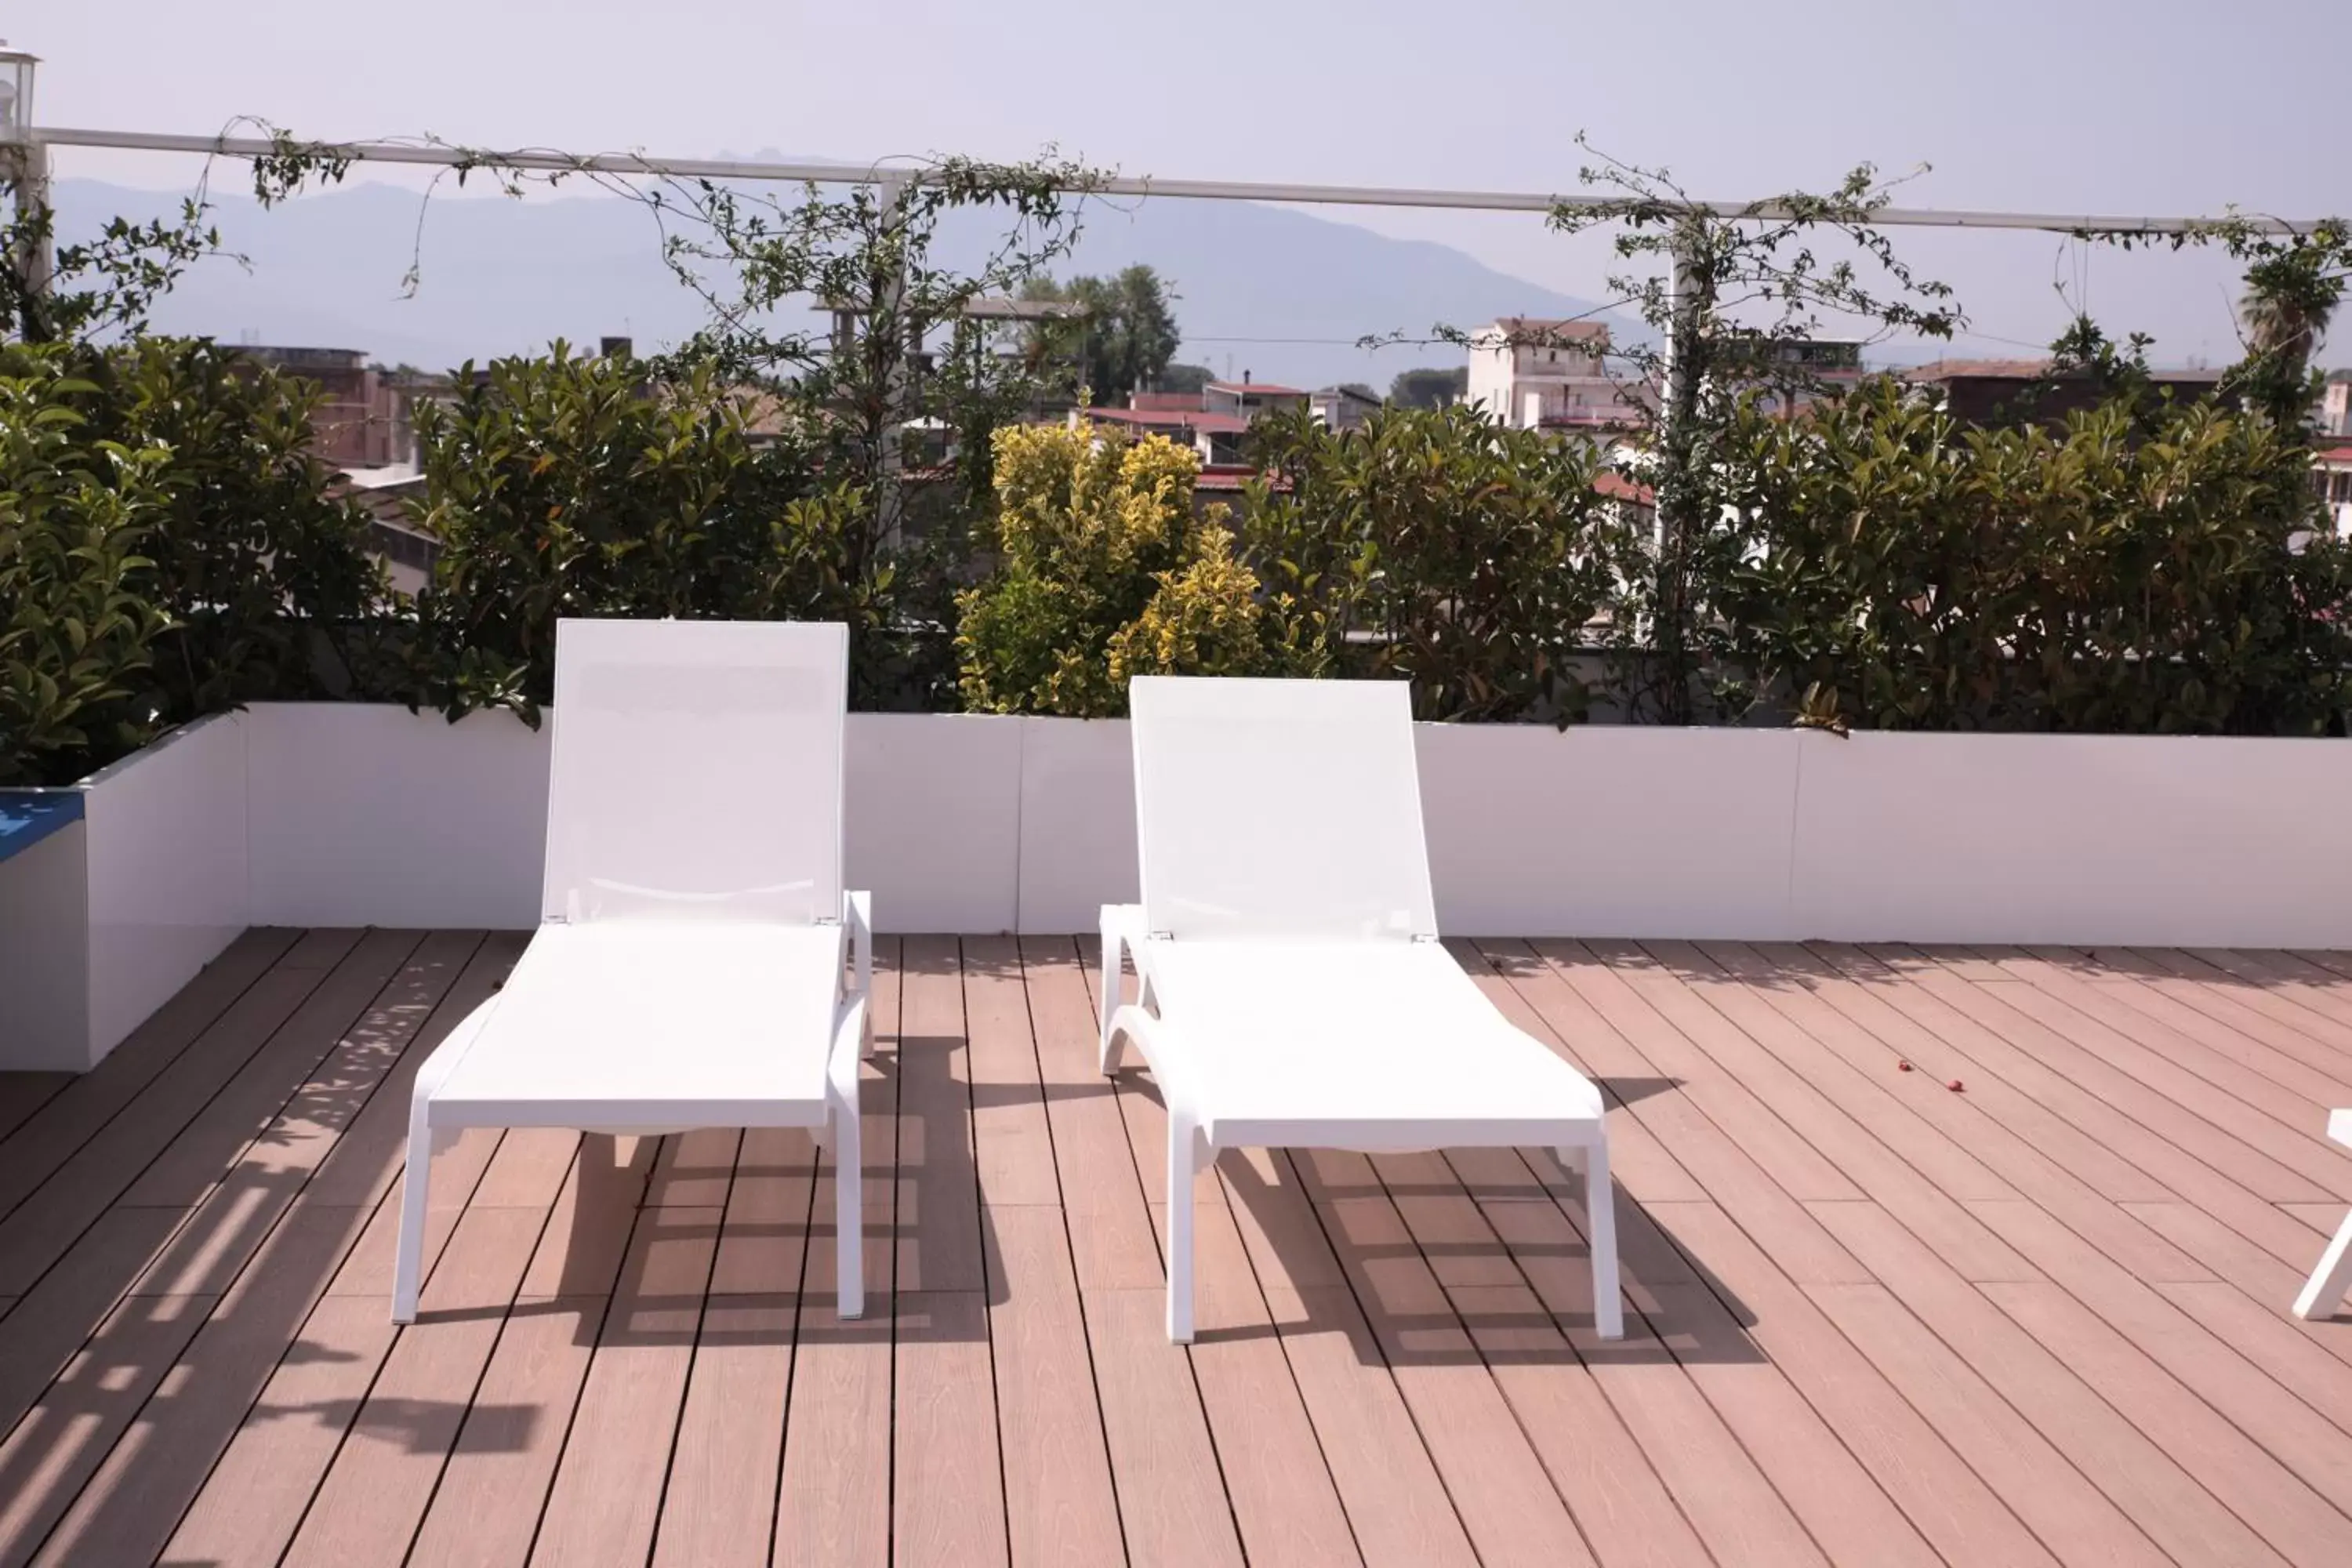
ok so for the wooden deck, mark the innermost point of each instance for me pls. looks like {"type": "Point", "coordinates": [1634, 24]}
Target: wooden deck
{"type": "Point", "coordinates": [2037, 1316]}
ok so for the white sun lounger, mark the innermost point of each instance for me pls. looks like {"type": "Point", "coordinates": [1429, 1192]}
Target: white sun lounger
{"type": "Point", "coordinates": [1293, 991]}
{"type": "Point", "coordinates": [2332, 1277]}
{"type": "Point", "coordinates": [689, 969]}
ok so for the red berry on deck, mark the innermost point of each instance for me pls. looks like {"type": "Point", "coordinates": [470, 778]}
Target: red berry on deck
{"type": "Point", "coordinates": [1954, 1085]}
{"type": "Point", "coordinates": [1902, 1067]}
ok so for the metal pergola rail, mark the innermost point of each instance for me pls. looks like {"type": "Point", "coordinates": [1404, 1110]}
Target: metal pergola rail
{"type": "Point", "coordinates": [432, 153]}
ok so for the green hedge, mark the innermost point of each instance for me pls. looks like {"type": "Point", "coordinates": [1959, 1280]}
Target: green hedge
{"type": "Point", "coordinates": [169, 547]}
{"type": "Point", "coordinates": [2136, 569]}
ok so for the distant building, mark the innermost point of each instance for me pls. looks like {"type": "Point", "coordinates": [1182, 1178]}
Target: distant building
{"type": "Point", "coordinates": [1538, 373]}
{"type": "Point", "coordinates": [2335, 406]}
{"type": "Point", "coordinates": [2331, 476]}
{"type": "Point", "coordinates": [2024, 391]}
{"type": "Point", "coordinates": [406, 551]}
{"type": "Point", "coordinates": [1248, 399]}
{"type": "Point", "coordinates": [1808, 368]}
{"type": "Point", "coordinates": [1340, 407]}
{"type": "Point", "coordinates": [1217, 437]}
{"type": "Point", "coordinates": [364, 421]}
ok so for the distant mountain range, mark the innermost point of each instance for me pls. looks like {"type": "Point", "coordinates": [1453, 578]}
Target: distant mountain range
{"type": "Point", "coordinates": [1272, 291]}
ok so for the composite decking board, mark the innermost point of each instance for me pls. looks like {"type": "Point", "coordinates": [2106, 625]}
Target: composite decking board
{"type": "Point", "coordinates": [251, 1237]}
{"type": "Point", "coordinates": [204, 1240]}
{"type": "Point", "coordinates": [1252, 1219]}
{"type": "Point", "coordinates": [1792, 1162]}
{"type": "Point", "coordinates": [487, 1506]}
{"type": "Point", "coordinates": [2186, 1154]}
{"type": "Point", "coordinates": [38, 1230]}
{"type": "Point", "coordinates": [1844, 1001]}
{"type": "Point", "coordinates": [948, 1487]}
{"type": "Point", "coordinates": [2246, 1067]}
{"type": "Point", "coordinates": [2240, 1115]}
{"type": "Point", "coordinates": [22, 1095]}
{"type": "Point", "coordinates": [373, 1495]}
{"type": "Point", "coordinates": [1726, 1024]}
{"type": "Point", "coordinates": [2262, 1011]}
{"type": "Point", "coordinates": [278, 1437]}
{"type": "Point", "coordinates": [1717, 1156]}
{"type": "Point", "coordinates": [1869, 1099]}
{"type": "Point", "coordinates": [607, 1493]}
{"type": "Point", "coordinates": [834, 1507]}
{"type": "Point", "coordinates": [1477, 1248]}
{"type": "Point", "coordinates": [1213, 1453]}
{"type": "Point", "coordinates": [2135, 1470]}
{"type": "Point", "coordinates": [1060, 1504]}
{"type": "Point", "coordinates": [206, 1372]}
{"type": "Point", "coordinates": [68, 1119]}
{"type": "Point", "coordinates": [1806, 1496]}
{"type": "Point", "coordinates": [2159, 1134]}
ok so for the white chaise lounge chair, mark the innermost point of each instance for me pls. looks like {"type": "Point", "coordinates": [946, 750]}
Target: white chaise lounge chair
{"type": "Point", "coordinates": [689, 969]}
{"type": "Point", "coordinates": [1293, 991]}
{"type": "Point", "coordinates": [2332, 1277]}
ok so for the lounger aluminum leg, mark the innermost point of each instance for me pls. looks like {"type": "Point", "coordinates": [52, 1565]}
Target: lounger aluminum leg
{"type": "Point", "coordinates": [860, 908]}
{"type": "Point", "coordinates": [2331, 1280]}
{"type": "Point", "coordinates": [1181, 1158]}
{"type": "Point", "coordinates": [1114, 982]}
{"type": "Point", "coordinates": [416, 1180]}
{"type": "Point", "coordinates": [1600, 1211]}
{"type": "Point", "coordinates": [848, 1166]}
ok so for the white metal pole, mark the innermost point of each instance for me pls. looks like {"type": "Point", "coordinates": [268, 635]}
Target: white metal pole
{"type": "Point", "coordinates": [442, 155]}
{"type": "Point", "coordinates": [28, 173]}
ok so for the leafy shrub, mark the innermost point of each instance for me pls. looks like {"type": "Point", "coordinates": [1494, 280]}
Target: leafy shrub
{"type": "Point", "coordinates": [566, 486]}
{"type": "Point", "coordinates": [77, 631]}
{"type": "Point", "coordinates": [170, 548]}
{"type": "Point", "coordinates": [1103, 570]}
{"type": "Point", "coordinates": [1432, 546]}
{"type": "Point", "coordinates": [2139, 574]}
{"type": "Point", "coordinates": [262, 574]}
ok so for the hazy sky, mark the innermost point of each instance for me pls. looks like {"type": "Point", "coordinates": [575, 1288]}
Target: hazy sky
{"type": "Point", "coordinates": [2108, 106]}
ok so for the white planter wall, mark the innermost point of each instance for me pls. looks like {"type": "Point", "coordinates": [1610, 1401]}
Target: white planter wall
{"type": "Point", "coordinates": [933, 823]}
{"type": "Point", "coordinates": [966, 823]}
{"type": "Point", "coordinates": [45, 955]}
{"type": "Point", "coordinates": [2074, 839]}
{"type": "Point", "coordinates": [1609, 832]}
{"type": "Point", "coordinates": [109, 917]}
{"type": "Point", "coordinates": [343, 815]}
{"type": "Point", "coordinates": [362, 815]}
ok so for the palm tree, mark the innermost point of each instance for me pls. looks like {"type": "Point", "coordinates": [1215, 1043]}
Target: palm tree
{"type": "Point", "coordinates": [2292, 292]}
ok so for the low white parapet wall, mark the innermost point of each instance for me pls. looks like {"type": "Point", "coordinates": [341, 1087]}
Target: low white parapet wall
{"type": "Point", "coordinates": [366, 814]}
{"type": "Point", "coordinates": [349, 815]}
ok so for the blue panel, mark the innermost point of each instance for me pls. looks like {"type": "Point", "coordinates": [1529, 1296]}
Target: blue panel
{"type": "Point", "coordinates": [29, 816]}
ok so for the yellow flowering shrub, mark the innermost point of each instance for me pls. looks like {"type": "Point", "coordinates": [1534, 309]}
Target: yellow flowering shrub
{"type": "Point", "coordinates": [1104, 570]}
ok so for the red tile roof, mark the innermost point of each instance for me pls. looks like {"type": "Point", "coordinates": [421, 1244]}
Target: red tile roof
{"type": "Point", "coordinates": [1560, 328]}
{"type": "Point", "coordinates": [2026, 370]}
{"type": "Point", "coordinates": [1170, 419]}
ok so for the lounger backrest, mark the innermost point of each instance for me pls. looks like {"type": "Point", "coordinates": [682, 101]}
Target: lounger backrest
{"type": "Point", "coordinates": [696, 771]}
{"type": "Point", "coordinates": [1279, 808]}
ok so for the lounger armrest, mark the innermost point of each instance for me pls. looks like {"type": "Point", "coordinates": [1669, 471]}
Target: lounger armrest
{"type": "Point", "coordinates": [435, 1070]}
{"type": "Point", "coordinates": [1163, 1048]}
{"type": "Point", "coordinates": [849, 1035]}
{"type": "Point", "coordinates": [858, 914]}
